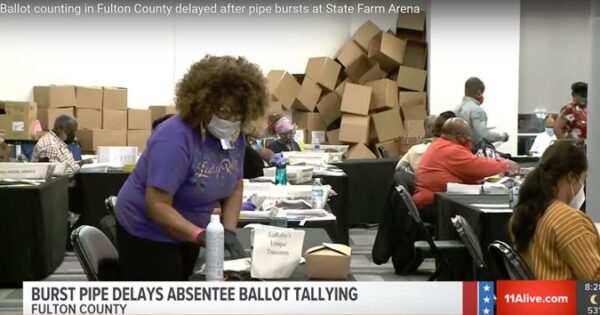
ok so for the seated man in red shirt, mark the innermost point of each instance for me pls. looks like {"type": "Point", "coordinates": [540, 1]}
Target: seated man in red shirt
{"type": "Point", "coordinates": [449, 160]}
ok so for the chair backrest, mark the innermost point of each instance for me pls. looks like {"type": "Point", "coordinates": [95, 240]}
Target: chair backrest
{"type": "Point", "coordinates": [508, 263]}
{"type": "Point", "coordinates": [93, 249]}
{"type": "Point", "coordinates": [111, 204]}
{"type": "Point", "coordinates": [406, 179]}
{"type": "Point", "coordinates": [383, 152]}
{"type": "Point", "coordinates": [467, 235]}
{"type": "Point", "coordinates": [416, 215]}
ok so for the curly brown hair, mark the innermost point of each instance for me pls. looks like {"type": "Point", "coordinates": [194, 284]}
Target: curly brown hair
{"type": "Point", "coordinates": [209, 81]}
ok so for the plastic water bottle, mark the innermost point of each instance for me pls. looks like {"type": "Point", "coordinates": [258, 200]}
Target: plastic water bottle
{"type": "Point", "coordinates": [215, 240]}
{"type": "Point", "coordinates": [513, 193]}
{"type": "Point", "coordinates": [280, 174]}
{"type": "Point", "coordinates": [317, 194]}
{"type": "Point", "coordinates": [316, 143]}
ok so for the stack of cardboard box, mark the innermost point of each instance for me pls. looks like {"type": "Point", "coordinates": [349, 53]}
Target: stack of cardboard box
{"type": "Point", "coordinates": [372, 95]}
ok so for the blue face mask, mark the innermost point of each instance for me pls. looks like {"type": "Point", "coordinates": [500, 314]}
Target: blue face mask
{"type": "Point", "coordinates": [550, 131]}
{"type": "Point", "coordinates": [257, 145]}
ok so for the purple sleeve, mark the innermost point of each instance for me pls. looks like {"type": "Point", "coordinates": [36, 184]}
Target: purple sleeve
{"type": "Point", "coordinates": [168, 166]}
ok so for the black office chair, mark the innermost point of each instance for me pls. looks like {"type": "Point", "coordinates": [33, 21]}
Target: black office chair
{"type": "Point", "coordinates": [507, 263]}
{"type": "Point", "coordinates": [110, 203]}
{"type": "Point", "coordinates": [383, 153]}
{"type": "Point", "coordinates": [468, 237]}
{"type": "Point", "coordinates": [108, 224]}
{"type": "Point", "coordinates": [428, 248]}
{"type": "Point", "coordinates": [97, 256]}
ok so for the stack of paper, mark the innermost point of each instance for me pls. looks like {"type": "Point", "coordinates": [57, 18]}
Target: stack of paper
{"type": "Point", "coordinates": [455, 188]}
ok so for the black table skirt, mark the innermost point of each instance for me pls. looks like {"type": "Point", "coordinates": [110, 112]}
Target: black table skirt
{"type": "Point", "coordinates": [368, 185]}
{"type": "Point", "coordinates": [487, 226]}
{"type": "Point", "coordinates": [33, 231]}
{"type": "Point", "coordinates": [93, 188]}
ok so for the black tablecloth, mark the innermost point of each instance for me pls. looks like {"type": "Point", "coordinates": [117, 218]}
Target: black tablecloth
{"type": "Point", "coordinates": [33, 231]}
{"type": "Point", "coordinates": [339, 207]}
{"type": "Point", "coordinates": [368, 185]}
{"type": "Point", "coordinates": [487, 226]}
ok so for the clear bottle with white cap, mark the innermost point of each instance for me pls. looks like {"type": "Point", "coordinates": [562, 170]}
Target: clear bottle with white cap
{"type": "Point", "coordinates": [215, 243]}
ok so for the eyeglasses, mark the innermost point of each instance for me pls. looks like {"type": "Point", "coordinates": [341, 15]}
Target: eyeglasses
{"type": "Point", "coordinates": [225, 112]}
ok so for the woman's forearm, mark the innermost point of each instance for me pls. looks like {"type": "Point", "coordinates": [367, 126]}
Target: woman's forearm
{"type": "Point", "coordinates": [160, 210]}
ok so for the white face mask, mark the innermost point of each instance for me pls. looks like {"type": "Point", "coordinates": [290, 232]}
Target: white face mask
{"type": "Point", "coordinates": [578, 199]}
{"type": "Point", "coordinates": [224, 129]}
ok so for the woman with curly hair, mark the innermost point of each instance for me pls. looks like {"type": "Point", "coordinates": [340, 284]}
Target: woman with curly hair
{"type": "Point", "coordinates": [192, 165]}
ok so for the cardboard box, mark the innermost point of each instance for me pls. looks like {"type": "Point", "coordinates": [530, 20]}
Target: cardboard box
{"type": "Point", "coordinates": [364, 34]}
{"type": "Point", "coordinates": [388, 50]}
{"type": "Point", "coordinates": [413, 105]}
{"type": "Point", "coordinates": [328, 261]}
{"type": "Point", "coordinates": [114, 98]}
{"type": "Point", "coordinates": [274, 107]}
{"type": "Point", "coordinates": [407, 142]}
{"type": "Point", "coordinates": [159, 111]}
{"type": "Point", "coordinates": [323, 70]}
{"type": "Point", "coordinates": [385, 94]}
{"type": "Point", "coordinates": [364, 70]}
{"type": "Point", "coordinates": [392, 147]}
{"type": "Point", "coordinates": [415, 54]}
{"type": "Point", "coordinates": [88, 97]}
{"type": "Point", "coordinates": [47, 116]}
{"type": "Point", "coordinates": [329, 108]}
{"type": "Point", "coordinates": [387, 125]}
{"type": "Point", "coordinates": [333, 137]}
{"type": "Point", "coordinates": [412, 78]}
{"type": "Point", "coordinates": [283, 87]}
{"type": "Point", "coordinates": [90, 139]}
{"type": "Point", "coordinates": [113, 119]}
{"type": "Point", "coordinates": [411, 26]}
{"type": "Point", "coordinates": [54, 96]}
{"type": "Point", "coordinates": [354, 129]}
{"type": "Point", "coordinates": [348, 54]}
{"type": "Point", "coordinates": [308, 121]}
{"type": "Point", "coordinates": [88, 118]}
{"type": "Point", "coordinates": [17, 120]}
{"type": "Point", "coordinates": [139, 119]}
{"type": "Point", "coordinates": [414, 128]}
{"type": "Point", "coordinates": [356, 99]}
{"type": "Point", "coordinates": [359, 151]}
{"type": "Point", "coordinates": [308, 96]}
{"type": "Point", "coordinates": [342, 86]}
{"type": "Point", "coordinates": [138, 138]}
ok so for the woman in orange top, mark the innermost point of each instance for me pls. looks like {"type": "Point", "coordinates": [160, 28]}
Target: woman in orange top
{"type": "Point", "coordinates": [557, 241]}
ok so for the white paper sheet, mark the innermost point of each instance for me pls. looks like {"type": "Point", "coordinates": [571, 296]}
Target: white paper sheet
{"type": "Point", "coordinates": [491, 205]}
{"type": "Point", "coordinates": [506, 210]}
{"type": "Point", "coordinates": [455, 188]}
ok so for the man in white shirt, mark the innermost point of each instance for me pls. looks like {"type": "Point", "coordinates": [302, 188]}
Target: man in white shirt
{"type": "Point", "coordinates": [544, 139]}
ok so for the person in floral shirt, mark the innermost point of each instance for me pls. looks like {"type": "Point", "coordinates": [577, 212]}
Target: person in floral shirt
{"type": "Point", "coordinates": [572, 123]}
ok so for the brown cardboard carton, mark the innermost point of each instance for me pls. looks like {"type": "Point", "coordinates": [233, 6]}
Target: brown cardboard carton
{"type": "Point", "coordinates": [159, 111]}
{"type": "Point", "coordinates": [283, 87]}
{"type": "Point", "coordinates": [114, 98]}
{"type": "Point", "coordinates": [88, 97]}
{"type": "Point", "coordinates": [329, 107]}
{"type": "Point", "coordinates": [373, 74]}
{"type": "Point", "coordinates": [139, 119]}
{"type": "Point", "coordinates": [349, 53]}
{"type": "Point", "coordinates": [356, 99]}
{"type": "Point", "coordinates": [412, 78]}
{"type": "Point", "coordinates": [364, 69]}
{"type": "Point", "coordinates": [341, 87]}
{"type": "Point", "coordinates": [308, 121]}
{"type": "Point", "coordinates": [113, 119]}
{"type": "Point", "coordinates": [407, 142]}
{"type": "Point", "coordinates": [387, 50]}
{"type": "Point", "coordinates": [413, 105]}
{"type": "Point", "coordinates": [391, 147]}
{"type": "Point", "coordinates": [333, 137]}
{"type": "Point", "coordinates": [274, 107]}
{"type": "Point", "coordinates": [411, 26]}
{"type": "Point", "coordinates": [414, 128]}
{"type": "Point", "coordinates": [415, 54]}
{"type": "Point", "coordinates": [385, 94]}
{"type": "Point", "coordinates": [387, 125]}
{"type": "Point", "coordinates": [17, 120]}
{"type": "Point", "coordinates": [323, 70]}
{"type": "Point", "coordinates": [88, 118]}
{"type": "Point", "coordinates": [90, 139]}
{"type": "Point", "coordinates": [328, 261]}
{"type": "Point", "coordinates": [138, 138]}
{"type": "Point", "coordinates": [54, 96]}
{"type": "Point", "coordinates": [354, 129]}
{"type": "Point", "coordinates": [308, 96]}
{"type": "Point", "coordinates": [364, 34]}
{"type": "Point", "coordinates": [47, 116]}
{"type": "Point", "coordinates": [360, 151]}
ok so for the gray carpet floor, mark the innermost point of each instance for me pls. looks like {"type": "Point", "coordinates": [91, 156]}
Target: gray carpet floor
{"type": "Point", "coordinates": [362, 267]}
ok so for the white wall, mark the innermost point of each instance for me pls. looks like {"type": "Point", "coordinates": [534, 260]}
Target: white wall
{"type": "Point", "coordinates": [555, 52]}
{"type": "Point", "coordinates": [593, 146]}
{"type": "Point", "coordinates": [149, 55]}
{"type": "Point", "coordinates": [476, 38]}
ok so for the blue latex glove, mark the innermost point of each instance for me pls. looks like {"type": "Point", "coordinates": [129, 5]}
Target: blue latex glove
{"type": "Point", "coordinates": [277, 159]}
{"type": "Point", "coordinates": [248, 206]}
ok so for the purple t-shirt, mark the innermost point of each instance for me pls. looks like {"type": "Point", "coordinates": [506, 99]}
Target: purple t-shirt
{"type": "Point", "coordinates": [176, 160]}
